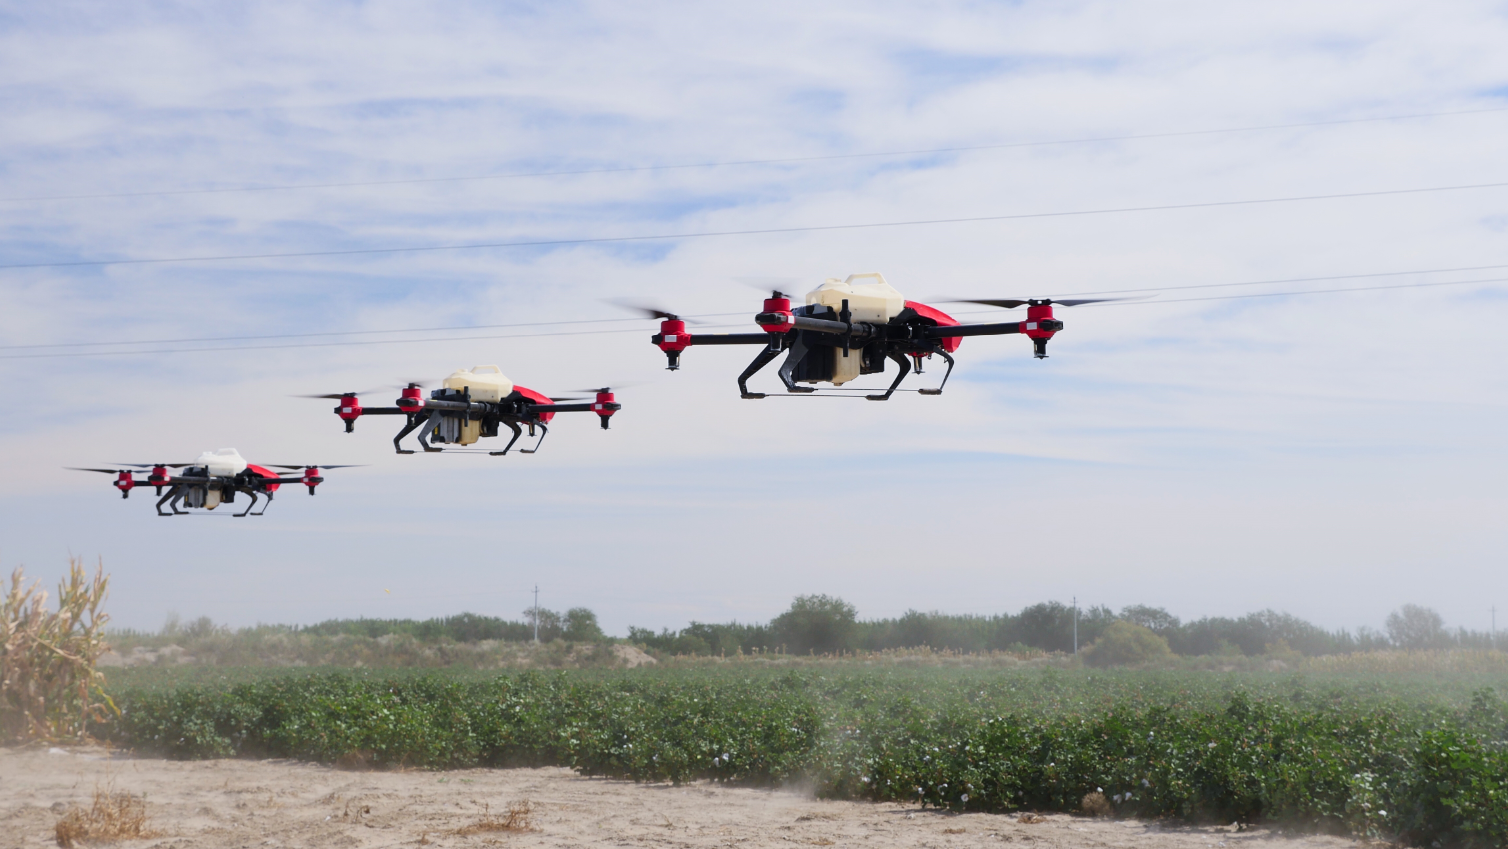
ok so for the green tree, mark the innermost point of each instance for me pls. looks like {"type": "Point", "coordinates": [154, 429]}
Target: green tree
{"type": "Point", "coordinates": [816, 624]}
{"type": "Point", "coordinates": [1415, 627]}
{"type": "Point", "coordinates": [1124, 643]}
{"type": "Point", "coordinates": [580, 626]}
{"type": "Point", "coordinates": [1155, 619]}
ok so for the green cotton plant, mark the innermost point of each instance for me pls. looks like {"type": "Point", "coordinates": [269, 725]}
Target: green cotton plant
{"type": "Point", "coordinates": [1340, 755]}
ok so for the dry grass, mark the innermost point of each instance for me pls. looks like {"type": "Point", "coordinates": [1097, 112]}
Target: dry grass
{"type": "Point", "coordinates": [1031, 819]}
{"type": "Point", "coordinates": [50, 686]}
{"type": "Point", "coordinates": [520, 817]}
{"type": "Point", "coordinates": [1096, 805]}
{"type": "Point", "coordinates": [113, 816]}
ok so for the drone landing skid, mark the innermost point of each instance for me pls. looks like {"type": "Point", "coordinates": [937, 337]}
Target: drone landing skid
{"type": "Point", "coordinates": [413, 422]}
{"type": "Point", "coordinates": [541, 441]}
{"type": "Point", "coordinates": [799, 349]}
{"type": "Point", "coordinates": [172, 501]}
{"type": "Point", "coordinates": [253, 503]}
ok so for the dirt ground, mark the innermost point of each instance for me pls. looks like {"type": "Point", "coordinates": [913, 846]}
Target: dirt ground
{"type": "Point", "coordinates": [237, 803]}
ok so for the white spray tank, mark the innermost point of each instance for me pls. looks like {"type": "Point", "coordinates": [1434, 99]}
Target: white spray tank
{"type": "Point", "coordinates": [870, 299]}
{"type": "Point", "coordinates": [487, 384]}
{"type": "Point", "coordinates": [227, 462]}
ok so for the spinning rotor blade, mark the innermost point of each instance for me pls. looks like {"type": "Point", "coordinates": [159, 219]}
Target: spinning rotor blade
{"type": "Point", "coordinates": [1077, 301]}
{"type": "Point", "coordinates": [309, 466]}
{"type": "Point", "coordinates": [1007, 303]}
{"type": "Point", "coordinates": [774, 285]}
{"type": "Point", "coordinates": [1012, 303]}
{"type": "Point", "coordinates": [649, 311]}
{"type": "Point", "coordinates": [155, 465]}
{"type": "Point", "coordinates": [610, 388]}
{"type": "Point", "coordinates": [106, 471]}
{"type": "Point", "coordinates": [336, 396]}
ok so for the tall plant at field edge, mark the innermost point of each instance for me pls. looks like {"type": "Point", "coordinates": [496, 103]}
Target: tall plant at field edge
{"type": "Point", "coordinates": [50, 686]}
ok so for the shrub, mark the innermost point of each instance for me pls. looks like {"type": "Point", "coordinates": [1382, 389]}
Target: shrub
{"type": "Point", "coordinates": [1124, 644]}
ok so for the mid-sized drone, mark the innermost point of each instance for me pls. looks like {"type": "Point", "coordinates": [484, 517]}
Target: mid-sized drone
{"type": "Point", "coordinates": [215, 478]}
{"type": "Point", "coordinates": [849, 328]}
{"type": "Point", "coordinates": [473, 404]}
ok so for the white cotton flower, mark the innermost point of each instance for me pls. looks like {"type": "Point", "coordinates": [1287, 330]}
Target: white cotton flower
{"type": "Point", "coordinates": [964, 797]}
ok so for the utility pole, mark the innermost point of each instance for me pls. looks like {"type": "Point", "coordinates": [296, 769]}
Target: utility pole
{"type": "Point", "coordinates": [536, 613]}
{"type": "Point", "coordinates": [1075, 625]}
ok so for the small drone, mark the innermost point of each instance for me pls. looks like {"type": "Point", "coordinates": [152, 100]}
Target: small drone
{"type": "Point", "coordinates": [472, 404]}
{"type": "Point", "coordinates": [211, 480]}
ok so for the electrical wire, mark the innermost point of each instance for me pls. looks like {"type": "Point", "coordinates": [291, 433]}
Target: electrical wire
{"type": "Point", "coordinates": [720, 326]}
{"type": "Point", "coordinates": [752, 232]}
{"type": "Point", "coordinates": [706, 315]}
{"type": "Point", "coordinates": [747, 162]}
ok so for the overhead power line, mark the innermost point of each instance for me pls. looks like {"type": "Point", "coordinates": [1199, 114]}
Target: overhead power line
{"type": "Point", "coordinates": [748, 162]}
{"type": "Point", "coordinates": [711, 327]}
{"type": "Point", "coordinates": [473, 327]}
{"type": "Point", "coordinates": [752, 232]}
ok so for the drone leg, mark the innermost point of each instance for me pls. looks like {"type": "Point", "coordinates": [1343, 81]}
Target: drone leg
{"type": "Point", "coordinates": [939, 389]}
{"type": "Point", "coordinates": [429, 427]}
{"type": "Point", "coordinates": [253, 503]}
{"type": "Point", "coordinates": [517, 432]}
{"type": "Point", "coordinates": [546, 429]}
{"type": "Point", "coordinates": [905, 370]}
{"type": "Point", "coordinates": [265, 506]}
{"type": "Point", "coordinates": [759, 362]}
{"type": "Point", "coordinates": [787, 368]}
{"type": "Point", "coordinates": [177, 493]}
{"type": "Point", "coordinates": [413, 422]}
{"type": "Point", "coordinates": [171, 494]}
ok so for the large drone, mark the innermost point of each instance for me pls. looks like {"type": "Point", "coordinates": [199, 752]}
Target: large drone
{"type": "Point", "coordinates": [472, 404]}
{"type": "Point", "coordinates": [211, 480]}
{"type": "Point", "coordinates": [849, 328]}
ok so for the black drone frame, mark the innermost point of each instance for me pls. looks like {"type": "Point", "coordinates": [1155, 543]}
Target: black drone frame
{"type": "Point", "coordinates": [442, 416]}
{"type": "Point", "coordinates": [906, 338]}
{"type": "Point", "coordinates": [248, 482]}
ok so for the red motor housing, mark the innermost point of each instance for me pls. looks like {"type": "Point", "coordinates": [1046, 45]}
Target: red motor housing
{"type": "Point", "coordinates": [1039, 327]}
{"type": "Point", "coordinates": [780, 307]}
{"type": "Point", "coordinates": [604, 406]}
{"type": "Point", "coordinates": [349, 411]}
{"type": "Point", "coordinates": [158, 478]}
{"type": "Point", "coordinates": [673, 339]}
{"type": "Point", "coordinates": [311, 476]}
{"type": "Point", "coordinates": [411, 399]}
{"type": "Point", "coordinates": [124, 483]}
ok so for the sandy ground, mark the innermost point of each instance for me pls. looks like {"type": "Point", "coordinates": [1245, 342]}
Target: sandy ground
{"type": "Point", "coordinates": [231, 803]}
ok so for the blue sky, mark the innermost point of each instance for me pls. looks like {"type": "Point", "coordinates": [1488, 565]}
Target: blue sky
{"type": "Point", "coordinates": [1332, 455]}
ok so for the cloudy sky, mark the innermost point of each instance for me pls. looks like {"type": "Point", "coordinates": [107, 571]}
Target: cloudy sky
{"type": "Point", "coordinates": [1330, 454]}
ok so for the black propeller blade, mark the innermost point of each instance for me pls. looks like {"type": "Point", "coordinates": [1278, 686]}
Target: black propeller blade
{"type": "Point", "coordinates": [308, 466]}
{"type": "Point", "coordinates": [774, 285]}
{"type": "Point", "coordinates": [339, 395]}
{"type": "Point", "coordinates": [106, 471]}
{"type": "Point", "coordinates": [611, 388]}
{"type": "Point", "coordinates": [1012, 303]}
{"type": "Point", "coordinates": [155, 465]}
{"type": "Point", "coordinates": [650, 311]}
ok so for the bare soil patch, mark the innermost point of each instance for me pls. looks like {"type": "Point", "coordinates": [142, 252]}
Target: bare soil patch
{"type": "Point", "coordinates": [238, 803]}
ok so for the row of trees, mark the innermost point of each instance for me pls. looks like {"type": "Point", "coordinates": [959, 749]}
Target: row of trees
{"type": "Point", "coordinates": [823, 624]}
{"type": "Point", "coordinates": [577, 625]}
